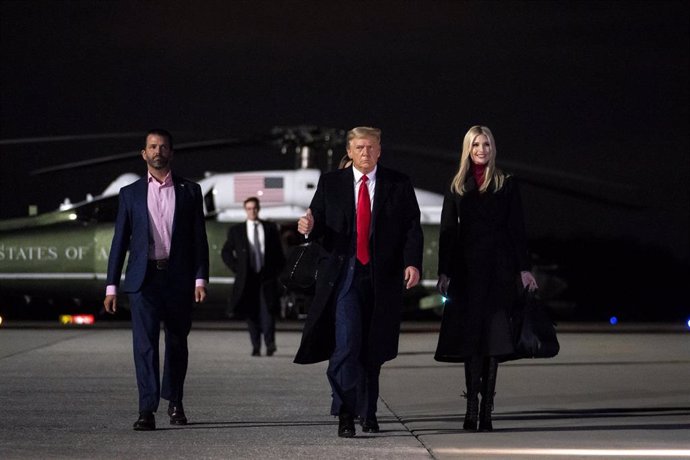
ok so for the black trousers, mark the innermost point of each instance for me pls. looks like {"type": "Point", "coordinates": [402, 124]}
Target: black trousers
{"type": "Point", "coordinates": [260, 319]}
{"type": "Point", "coordinates": [160, 300]}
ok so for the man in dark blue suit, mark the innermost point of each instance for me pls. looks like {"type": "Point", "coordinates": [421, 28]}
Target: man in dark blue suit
{"type": "Point", "coordinates": [160, 222]}
{"type": "Point", "coordinates": [368, 219]}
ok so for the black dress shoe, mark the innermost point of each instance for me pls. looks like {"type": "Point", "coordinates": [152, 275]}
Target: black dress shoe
{"type": "Point", "coordinates": [176, 413]}
{"type": "Point", "coordinates": [256, 352]}
{"type": "Point", "coordinates": [271, 350]}
{"type": "Point", "coordinates": [346, 426]}
{"type": "Point", "coordinates": [145, 422]}
{"type": "Point", "coordinates": [370, 425]}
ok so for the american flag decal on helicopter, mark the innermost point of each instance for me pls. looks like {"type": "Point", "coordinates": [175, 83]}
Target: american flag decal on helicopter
{"type": "Point", "coordinates": [269, 189]}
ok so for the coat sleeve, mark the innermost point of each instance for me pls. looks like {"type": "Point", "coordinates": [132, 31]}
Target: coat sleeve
{"type": "Point", "coordinates": [318, 210]}
{"type": "Point", "coordinates": [229, 251]}
{"type": "Point", "coordinates": [414, 239]}
{"type": "Point", "coordinates": [516, 228]}
{"type": "Point", "coordinates": [201, 240]}
{"type": "Point", "coordinates": [448, 234]}
{"type": "Point", "coordinates": [120, 242]}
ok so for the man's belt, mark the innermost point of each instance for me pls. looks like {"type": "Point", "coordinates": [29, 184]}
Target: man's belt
{"type": "Point", "coordinates": [159, 264]}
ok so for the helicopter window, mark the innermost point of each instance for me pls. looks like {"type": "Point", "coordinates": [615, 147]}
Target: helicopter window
{"type": "Point", "coordinates": [210, 202]}
{"type": "Point", "coordinates": [104, 210]}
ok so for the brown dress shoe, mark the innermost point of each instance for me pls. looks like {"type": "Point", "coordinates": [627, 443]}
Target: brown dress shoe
{"type": "Point", "coordinates": [145, 422]}
{"type": "Point", "coordinates": [176, 413]}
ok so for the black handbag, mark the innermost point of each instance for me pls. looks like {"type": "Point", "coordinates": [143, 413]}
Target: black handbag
{"type": "Point", "coordinates": [302, 267]}
{"type": "Point", "coordinates": [534, 332]}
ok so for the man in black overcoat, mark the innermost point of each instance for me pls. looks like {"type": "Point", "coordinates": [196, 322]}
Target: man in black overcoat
{"type": "Point", "coordinates": [367, 218]}
{"type": "Point", "coordinates": [254, 252]}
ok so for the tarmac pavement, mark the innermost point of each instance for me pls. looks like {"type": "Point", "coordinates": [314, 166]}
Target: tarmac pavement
{"type": "Point", "coordinates": [71, 393]}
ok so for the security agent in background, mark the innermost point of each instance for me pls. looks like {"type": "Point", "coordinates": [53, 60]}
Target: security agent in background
{"type": "Point", "coordinates": [160, 222]}
{"type": "Point", "coordinates": [254, 252]}
{"type": "Point", "coordinates": [367, 218]}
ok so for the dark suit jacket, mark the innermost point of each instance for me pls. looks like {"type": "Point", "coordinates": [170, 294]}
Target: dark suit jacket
{"type": "Point", "coordinates": [396, 242]}
{"type": "Point", "coordinates": [235, 254]}
{"type": "Point", "coordinates": [188, 259]}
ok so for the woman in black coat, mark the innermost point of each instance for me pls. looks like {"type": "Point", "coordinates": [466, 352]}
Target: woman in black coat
{"type": "Point", "coordinates": [482, 253]}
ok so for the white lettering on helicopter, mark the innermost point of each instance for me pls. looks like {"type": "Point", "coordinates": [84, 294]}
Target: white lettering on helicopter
{"type": "Point", "coordinates": [102, 253]}
{"type": "Point", "coordinates": [76, 252]}
{"type": "Point", "coordinates": [28, 252]}
{"type": "Point", "coordinates": [46, 253]}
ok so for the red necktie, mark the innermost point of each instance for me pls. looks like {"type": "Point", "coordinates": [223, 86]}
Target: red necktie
{"type": "Point", "coordinates": [363, 221]}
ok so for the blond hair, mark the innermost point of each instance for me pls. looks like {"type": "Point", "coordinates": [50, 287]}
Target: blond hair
{"type": "Point", "coordinates": [493, 177]}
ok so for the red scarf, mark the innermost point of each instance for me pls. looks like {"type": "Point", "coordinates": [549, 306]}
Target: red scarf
{"type": "Point", "coordinates": [478, 173]}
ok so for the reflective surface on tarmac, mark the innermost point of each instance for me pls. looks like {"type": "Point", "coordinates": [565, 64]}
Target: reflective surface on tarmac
{"type": "Point", "coordinates": [71, 393]}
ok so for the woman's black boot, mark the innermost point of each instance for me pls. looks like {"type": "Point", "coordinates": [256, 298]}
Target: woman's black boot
{"type": "Point", "coordinates": [488, 391]}
{"type": "Point", "coordinates": [472, 376]}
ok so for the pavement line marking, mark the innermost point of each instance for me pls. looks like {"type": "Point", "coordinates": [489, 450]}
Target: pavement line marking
{"type": "Point", "coordinates": [429, 450]}
{"type": "Point", "coordinates": [570, 452]}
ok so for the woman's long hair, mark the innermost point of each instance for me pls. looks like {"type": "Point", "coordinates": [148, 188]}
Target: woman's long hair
{"type": "Point", "coordinates": [493, 177]}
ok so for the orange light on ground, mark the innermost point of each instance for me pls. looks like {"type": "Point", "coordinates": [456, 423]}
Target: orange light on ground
{"type": "Point", "coordinates": [77, 319]}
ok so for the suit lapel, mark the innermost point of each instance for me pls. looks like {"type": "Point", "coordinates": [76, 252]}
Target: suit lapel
{"type": "Point", "coordinates": [380, 195]}
{"type": "Point", "coordinates": [141, 203]}
{"type": "Point", "coordinates": [179, 188]}
{"type": "Point", "coordinates": [347, 197]}
{"type": "Point", "coordinates": [244, 238]}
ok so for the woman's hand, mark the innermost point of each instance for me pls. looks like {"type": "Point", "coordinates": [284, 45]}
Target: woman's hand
{"type": "Point", "coordinates": [528, 281]}
{"type": "Point", "coordinates": [442, 285]}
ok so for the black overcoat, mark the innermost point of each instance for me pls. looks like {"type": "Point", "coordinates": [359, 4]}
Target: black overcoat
{"type": "Point", "coordinates": [396, 242]}
{"type": "Point", "coordinates": [482, 249]}
{"type": "Point", "coordinates": [235, 254]}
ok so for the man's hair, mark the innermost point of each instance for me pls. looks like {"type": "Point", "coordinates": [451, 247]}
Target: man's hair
{"type": "Point", "coordinates": [363, 131]}
{"type": "Point", "coordinates": [254, 199]}
{"type": "Point", "coordinates": [159, 132]}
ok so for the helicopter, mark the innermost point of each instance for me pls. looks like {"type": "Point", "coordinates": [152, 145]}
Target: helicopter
{"type": "Point", "coordinates": [55, 262]}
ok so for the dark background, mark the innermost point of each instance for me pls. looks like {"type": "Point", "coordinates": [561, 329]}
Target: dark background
{"type": "Point", "coordinates": [593, 93]}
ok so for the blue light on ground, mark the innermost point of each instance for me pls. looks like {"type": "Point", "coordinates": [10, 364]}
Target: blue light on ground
{"type": "Point", "coordinates": [688, 323]}
{"type": "Point", "coordinates": [613, 320]}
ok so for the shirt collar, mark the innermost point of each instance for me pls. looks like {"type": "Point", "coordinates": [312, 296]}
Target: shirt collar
{"type": "Point", "coordinates": [358, 175]}
{"type": "Point", "coordinates": [166, 182]}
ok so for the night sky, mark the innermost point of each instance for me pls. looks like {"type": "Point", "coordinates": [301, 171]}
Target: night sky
{"type": "Point", "coordinates": [594, 90]}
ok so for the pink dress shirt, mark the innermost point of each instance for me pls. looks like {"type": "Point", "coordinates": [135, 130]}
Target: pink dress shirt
{"type": "Point", "coordinates": [161, 206]}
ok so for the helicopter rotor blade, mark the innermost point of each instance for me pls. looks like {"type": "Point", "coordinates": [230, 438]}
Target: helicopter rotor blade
{"type": "Point", "coordinates": [286, 137]}
{"type": "Point", "coordinates": [197, 145]}
{"type": "Point", "coordinates": [68, 138]}
{"type": "Point", "coordinates": [585, 187]}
